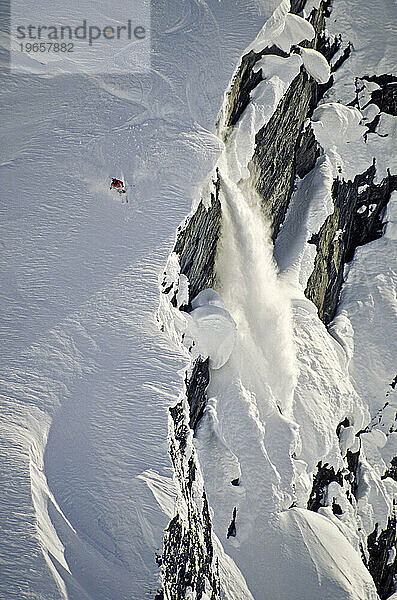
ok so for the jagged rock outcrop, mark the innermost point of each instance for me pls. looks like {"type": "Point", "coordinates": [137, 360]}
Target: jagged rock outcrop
{"type": "Point", "coordinates": [231, 530]}
{"type": "Point", "coordinates": [245, 80]}
{"type": "Point", "coordinates": [392, 470]}
{"type": "Point", "coordinates": [358, 217]}
{"type": "Point", "coordinates": [386, 96]}
{"type": "Point", "coordinates": [188, 560]}
{"type": "Point", "coordinates": [281, 143]}
{"type": "Point", "coordinates": [324, 476]}
{"type": "Point", "coordinates": [196, 386]}
{"type": "Point", "coordinates": [197, 242]}
{"type": "Point", "coordinates": [379, 551]}
{"type": "Point", "coordinates": [380, 564]}
{"type": "Point", "coordinates": [284, 149]}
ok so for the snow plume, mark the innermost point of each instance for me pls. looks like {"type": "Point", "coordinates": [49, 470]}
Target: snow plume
{"type": "Point", "coordinates": [252, 293]}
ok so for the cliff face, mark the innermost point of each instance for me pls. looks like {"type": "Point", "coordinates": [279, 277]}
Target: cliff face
{"type": "Point", "coordinates": [285, 149]}
{"type": "Point", "coordinates": [188, 561]}
{"type": "Point", "coordinates": [278, 156]}
{"type": "Point", "coordinates": [359, 216]}
{"type": "Point", "coordinates": [197, 242]}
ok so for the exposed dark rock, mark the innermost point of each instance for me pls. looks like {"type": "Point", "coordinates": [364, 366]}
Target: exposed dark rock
{"type": "Point", "coordinates": [371, 128]}
{"type": "Point", "coordinates": [297, 6]}
{"type": "Point", "coordinates": [188, 553]}
{"type": "Point", "coordinates": [336, 509]}
{"type": "Point", "coordinates": [284, 149]}
{"type": "Point", "coordinates": [273, 164]}
{"type": "Point", "coordinates": [379, 547]}
{"type": "Point", "coordinates": [180, 428]}
{"type": "Point", "coordinates": [386, 96]}
{"type": "Point", "coordinates": [186, 560]}
{"type": "Point", "coordinates": [235, 481]}
{"type": "Point", "coordinates": [196, 244]}
{"type": "Point", "coordinates": [353, 461]}
{"type": "Point", "coordinates": [358, 228]}
{"type": "Point", "coordinates": [379, 544]}
{"type": "Point", "coordinates": [342, 58]}
{"type": "Point", "coordinates": [322, 479]}
{"type": "Point", "coordinates": [231, 530]}
{"type": "Point", "coordinates": [281, 145]}
{"type": "Point", "coordinates": [245, 80]}
{"type": "Point", "coordinates": [344, 423]}
{"type": "Point", "coordinates": [307, 152]}
{"type": "Point", "coordinates": [392, 470]}
{"type": "Point", "coordinates": [196, 386]}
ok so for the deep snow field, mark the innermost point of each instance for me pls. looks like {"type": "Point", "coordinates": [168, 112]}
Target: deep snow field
{"type": "Point", "coordinates": [86, 374]}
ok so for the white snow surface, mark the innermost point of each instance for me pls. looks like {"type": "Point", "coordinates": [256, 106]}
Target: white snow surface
{"type": "Point", "coordinates": [284, 29]}
{"type": "Point", "coordinates": [370, 29]}
{"type": "Point", "coordinates": [315, 64]}
{"type": "Point", "coordinates": [213, 331]}
{"type": "Point", "coordinates": [86, 376]}
{"type": "Point", "coordinates": [279, 73]}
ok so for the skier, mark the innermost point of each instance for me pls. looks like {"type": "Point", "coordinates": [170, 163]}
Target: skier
{"type": "Point", "coordinates": [118, 185]}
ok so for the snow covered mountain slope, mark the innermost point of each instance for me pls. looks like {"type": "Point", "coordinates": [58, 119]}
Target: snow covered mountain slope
{"type": "Point", "coordinates": [276, 383]}
{"type": "Point", "coordinates": [296, 445]}
{"type": "Point", "coordinates": [86, 375]}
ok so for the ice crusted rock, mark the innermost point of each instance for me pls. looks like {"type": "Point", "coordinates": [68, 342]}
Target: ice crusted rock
{"type": "Point", "coordinates": [212, 328]}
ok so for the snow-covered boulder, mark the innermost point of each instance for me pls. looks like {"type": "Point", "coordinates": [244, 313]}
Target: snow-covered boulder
{"type": "Point", "coordinates": [284, 29]}
{"type": "Point", "coordinates": [211, 328]}
{"type": "Point", "coordinates": [335, 124]}
{"type": "Point", "coordinates": [207, 297]}
{"type": "Point", "coordinates": [315, 64]}
{"type": "Point", "coordinates": [295, 30]}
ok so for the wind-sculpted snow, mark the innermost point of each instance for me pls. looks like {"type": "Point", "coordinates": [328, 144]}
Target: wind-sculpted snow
{"type": "Point", "coordinates": [213, 332]}
{"type": "Point", "coordinates": [315, 64]}
{"type": "Point", "coordinates": [334, 124]}
{"type": "Point", "coordinates": [277, 478]}
{"type": "Point", "coordinates": [86, 376]}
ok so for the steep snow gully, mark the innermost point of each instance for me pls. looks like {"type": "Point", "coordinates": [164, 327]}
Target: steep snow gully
{"type": "Point", "coordinates": [281, 290]}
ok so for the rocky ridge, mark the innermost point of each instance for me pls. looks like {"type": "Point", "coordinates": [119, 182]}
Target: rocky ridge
{"type": "Point", "coordinates": [285, 149]}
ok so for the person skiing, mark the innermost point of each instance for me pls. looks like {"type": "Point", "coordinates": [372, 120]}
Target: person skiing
{"type": "Point", "coordinates": [117, 184]}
